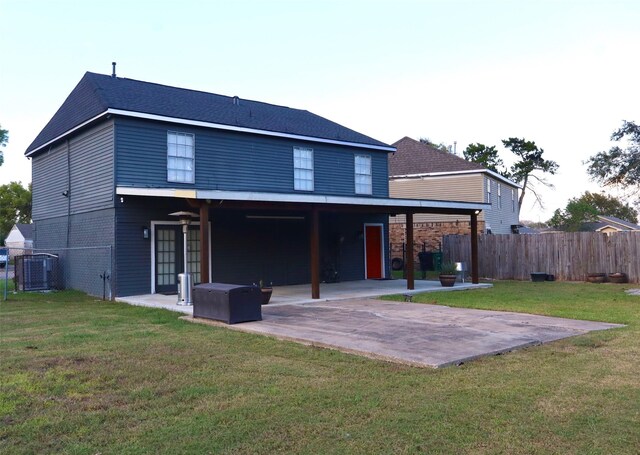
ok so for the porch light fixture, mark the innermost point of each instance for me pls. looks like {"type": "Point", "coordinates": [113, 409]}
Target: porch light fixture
{"type": "Point", "coordinates": [145, 232]}
{"type": "Point", "coordinates": [184, 281]}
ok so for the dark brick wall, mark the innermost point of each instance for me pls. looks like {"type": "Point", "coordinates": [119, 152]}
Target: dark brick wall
{"type": "Point", "coordinates": [427, 234]}
{"type": "Point", "coordinates": [89, 237]}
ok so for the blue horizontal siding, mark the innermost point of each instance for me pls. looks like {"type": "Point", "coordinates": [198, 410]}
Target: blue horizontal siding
{"type": "Point", "coordinates": [83, 166]}
{"type": "Point", "coordinates": [243, 250]}
{"type": "Point", "coordinates": [236, 161]}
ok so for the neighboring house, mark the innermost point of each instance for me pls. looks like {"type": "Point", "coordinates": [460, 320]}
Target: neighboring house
{"type": "Point", "coordinates": [610, 225]}
{"type": "Point", "coordinates": [20, 239]}
{"type": "Point", "coordinates": [282, 195]}
{"type": "Point", "coordinates": [418, 170]}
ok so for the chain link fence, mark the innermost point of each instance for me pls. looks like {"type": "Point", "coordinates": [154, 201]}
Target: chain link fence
{"type": "Point", "coordinates": [86, 269]}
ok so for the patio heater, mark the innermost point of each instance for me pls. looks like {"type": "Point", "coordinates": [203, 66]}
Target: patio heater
{"type": "Point", "coordinates": [184, 279]}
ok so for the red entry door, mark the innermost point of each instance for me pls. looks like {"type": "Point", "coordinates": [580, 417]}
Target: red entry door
{"type": "Point", "coordinates": [373, 247]}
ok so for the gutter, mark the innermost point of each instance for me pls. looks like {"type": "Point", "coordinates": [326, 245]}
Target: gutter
{"type": "Point", "coordinates": [219, 126]}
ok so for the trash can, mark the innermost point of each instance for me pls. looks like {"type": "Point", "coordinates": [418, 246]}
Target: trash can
{"type": "Point", "coordinates": [426, 260]}
{"type": "Point", "coordinates": [437, 260]}
{"type": "Point", "coordinates": [230, 303]}
{"type": "Point", "coordinates": [184, 289]}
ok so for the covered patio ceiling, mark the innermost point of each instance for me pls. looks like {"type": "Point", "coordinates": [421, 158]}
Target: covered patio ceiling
{"type": "Point", "coordinates": [313, 204]}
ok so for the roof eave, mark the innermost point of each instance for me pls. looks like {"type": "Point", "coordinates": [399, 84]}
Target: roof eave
{"type": "Point", "coordinates": [220, 126]}
{"type": "Point", "coordinates": [465, 172]}
{"type": "Point", "coordinates": [28, 153]}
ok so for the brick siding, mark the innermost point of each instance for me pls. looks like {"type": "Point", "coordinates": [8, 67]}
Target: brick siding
{"type": "Point", "coordinates": [428, 234]}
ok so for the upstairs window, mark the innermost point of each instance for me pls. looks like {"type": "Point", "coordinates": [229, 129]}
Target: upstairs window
{"type": "Point", "coordinates": [499, 196]}
{"type": "Point", "coordinates": [513, 200]}
{"type": "Point", "coordinates": [489, 191]}
{"type": "Point", "coordinates": [302, 169]}
{"type": "Point", "coordinates": [180, 157]}
{"type": "Point", "coordinates": [363, 174]}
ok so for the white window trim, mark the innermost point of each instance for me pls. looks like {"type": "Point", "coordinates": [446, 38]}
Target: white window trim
{"type": "Point", "coordinates": [193, 159]}
{"type": "Point", "coordinates": [489, 191]}
{"type": "Point", "coordinates": [355, 173]}
{"type": "Point", "coordinates": [499, 196]}
{"type": "Point", "coordinates": [153, 248]}
{"type": "Point", "coordinates": [313, 169]}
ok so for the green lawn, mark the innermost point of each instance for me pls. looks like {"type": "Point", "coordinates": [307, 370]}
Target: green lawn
{"type": "Point", "coordinates": [83, 376]}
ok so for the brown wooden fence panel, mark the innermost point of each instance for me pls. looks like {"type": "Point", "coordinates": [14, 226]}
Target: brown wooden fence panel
{"type": "Point", "coordinates": [568, 256]}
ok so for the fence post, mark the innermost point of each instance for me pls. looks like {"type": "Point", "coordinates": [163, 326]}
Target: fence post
{"type": "Point", "coordinates": [410, 273]}
{"type": "Point", "coordinates": [475, 279]}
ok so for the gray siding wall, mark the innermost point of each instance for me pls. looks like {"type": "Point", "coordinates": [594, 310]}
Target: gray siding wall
{"type": "Point", "coordinates": [92, 170]}
{"type": "Point", "coordinates": [237, 162]}
{"type": "Point", "coordinates": [133, 252]}
{"type": "Point", "coordinates": [500, 219]}
{"type": "Point", "coordinates": [79, 228]}
{"type": "Point", "coordinates": [83, 166]}
{"type": "Point", "coordinates": [49, 179]}
{"type": "Point", "coordinates": [89, 234]}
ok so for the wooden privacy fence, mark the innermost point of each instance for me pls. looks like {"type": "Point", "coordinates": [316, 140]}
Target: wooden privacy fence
{"type": "Point", "coordinates": [569, 256]}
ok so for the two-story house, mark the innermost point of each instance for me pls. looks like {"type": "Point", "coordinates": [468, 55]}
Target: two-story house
{"type": "Point", "coordinates": [281, 195]}
{"type": "Point", "coordinates": [418, 170]}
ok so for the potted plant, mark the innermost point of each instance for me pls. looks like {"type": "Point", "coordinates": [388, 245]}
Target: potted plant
{"type": "Point", "coordinates": [596, 277]}
{"type": "Point", "coordinates": [266, 292]}
{"type": "Point", "coordinates": [618, 277]}
{"type": "Point", "coordinates": [448, 274]}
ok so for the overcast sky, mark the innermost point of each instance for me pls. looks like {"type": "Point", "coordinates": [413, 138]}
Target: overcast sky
{"type": "Point", "coordinates": [562, 73]}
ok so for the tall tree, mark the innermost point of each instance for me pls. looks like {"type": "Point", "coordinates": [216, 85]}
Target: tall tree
{"type": "Point", "coordinates": [485, 155]}
{"type": "Point", "coordinates": [531, 163]}
{"type": "Point", "coordinates": [574, 216]}
{"type": "Point", "coordinates": [4, 138]}
{"type": "Point", "coordinates": [587, 207]}
{"type": "Point", "coordinates": [610, 206]}
{"type": "Point", "coordinates": [619, 166]}
{"type": "Point", "coordinates": [15, 206]}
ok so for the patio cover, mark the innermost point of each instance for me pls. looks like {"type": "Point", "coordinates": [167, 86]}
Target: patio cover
{"type": "Point", "coordinates": [313, 204]}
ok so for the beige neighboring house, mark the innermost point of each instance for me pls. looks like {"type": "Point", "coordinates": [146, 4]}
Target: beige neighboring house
{"type": "Point", "coordinates": [20, 239]}
{"type": "Point", "coordinates": [610, 225]}
{"type": "Point", "coordinates": [419, 171]}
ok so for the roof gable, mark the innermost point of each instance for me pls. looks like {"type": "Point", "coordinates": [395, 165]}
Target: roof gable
{"type": "Point", "coordinates": [96, 93]}
{"type": "Point", "coordinates": [415, 157]}
{"type": "Point", "coordinates": [26, 230]}
{"type": "Point", "coordinates": [617, 223]}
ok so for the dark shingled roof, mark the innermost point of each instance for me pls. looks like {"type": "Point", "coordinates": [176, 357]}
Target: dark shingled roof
{"type": "Point", "coordinates": [26, 230]}
{"type": "Point", "coordinates": [415, 157]}
{"type": "Point", "coordinates": [613, 221]}
{"type": "Point", "coordinates": [96, 93]}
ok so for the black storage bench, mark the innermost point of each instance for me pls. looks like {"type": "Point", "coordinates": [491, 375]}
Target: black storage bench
{"type": "Point", "coordinates": [230, 303]}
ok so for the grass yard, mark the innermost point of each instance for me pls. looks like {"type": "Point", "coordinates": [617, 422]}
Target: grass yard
{"type": "Point", "coordinates": [82, 376]}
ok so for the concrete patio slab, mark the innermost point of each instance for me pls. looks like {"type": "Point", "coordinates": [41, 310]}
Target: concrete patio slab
{"type": "Point", "coordinates": [416, 334]}
{"type": "Point", "coordinates": [301, 294]}
{"type": "Point", "coordinates": [348, 319]}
